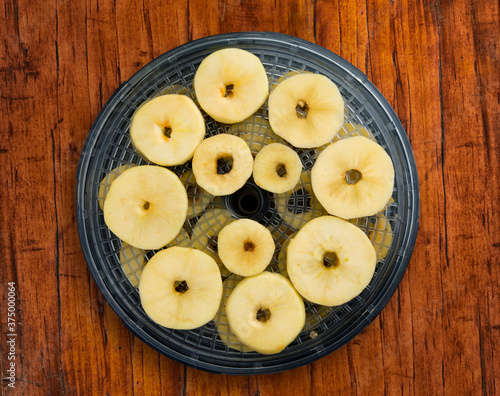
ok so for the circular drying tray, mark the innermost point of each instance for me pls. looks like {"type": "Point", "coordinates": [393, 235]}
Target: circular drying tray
{"type": "Point", "coordinates": [116, 268]}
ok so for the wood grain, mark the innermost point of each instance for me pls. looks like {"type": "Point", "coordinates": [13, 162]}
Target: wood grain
{"type": "Point", "coordinates": [437, 63]}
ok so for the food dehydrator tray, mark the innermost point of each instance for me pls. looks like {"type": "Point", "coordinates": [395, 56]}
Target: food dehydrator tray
{"type": "Point", "coordinates": [116, 268]}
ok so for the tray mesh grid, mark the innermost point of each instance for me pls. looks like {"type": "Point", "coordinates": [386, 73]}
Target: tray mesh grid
{"type": "Point", "coordinates": [286, 213]}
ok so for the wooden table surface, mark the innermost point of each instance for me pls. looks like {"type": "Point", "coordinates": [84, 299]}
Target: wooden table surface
{"type": "Point", "coordinates": [436, 62]}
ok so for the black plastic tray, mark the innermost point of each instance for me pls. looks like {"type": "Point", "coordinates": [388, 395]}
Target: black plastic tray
{"type": "Point", "coordinates": [108, 146]}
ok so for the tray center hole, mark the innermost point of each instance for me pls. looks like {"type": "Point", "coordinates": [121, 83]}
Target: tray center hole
{"type": "Point", "coordinates": [248, 202]}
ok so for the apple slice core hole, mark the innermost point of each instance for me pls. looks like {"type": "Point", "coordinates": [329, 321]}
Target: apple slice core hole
{"type": "Point", "coordinates": [281, 170]}
{"type": "Point", "coordinates": [301, 109]}
{"type": "Point", "coordinates": [263, 315]}
{"type": "Point", "coordinates": [331, 260]}
{"type": "Point", "coordinates": [181, 286]}
{"type": "Point", "coordinates": [167, 132]}
{"type": "Point", "coordinates": [249, 246]}
{"type": "Point", "coordinates": [352, 176]}
{"type": "Point", "coordinates": [228, 91]}
{"type": "Point", "coordinates": [224, 164]}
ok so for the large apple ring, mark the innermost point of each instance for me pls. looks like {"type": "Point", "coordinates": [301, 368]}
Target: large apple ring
{"type": "Point", "coordinates": [353, 178]}
{"type": "Point", "coordinates": [146, 206]}
{"type": "Point", "coordinates": [167, 129]}
{"type": "Point", "coordinates": [330, 261]}
{"type": "Point", "coordinates": [231, 84]}
{"type": "Point", "coordinates": [265, 312]}
{"type": "Point", "coordinates": [181, 288]}
{"type": "Point", "coordinates": [306, 110]}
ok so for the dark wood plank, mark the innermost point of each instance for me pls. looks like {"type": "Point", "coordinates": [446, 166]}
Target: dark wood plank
{"type": "Point", "coordinates": [29, 254]}
{"type": "Point", "coordinates": [153, 374]}
{"type": "Point", "coordinates": [202, 383]}
{"type": "Point", "coordinates": [332, 374]}
{"type": "Point", "coordinates": [101, 53]}
{"type": "Point", "coordinates": [169, 24]}
{"type": "Point", "coordinates": [296, 381]}
{"type": "Point", "coordinates": [469, 161]}
{"type": "Point", "coordinates": [133, 35]}
{"type": "Point", "coordinates": [81, 311]}
{"type": "Point", "coordinates": [485, 22]}
{"type": "Point", "coordinates": [406, 71]}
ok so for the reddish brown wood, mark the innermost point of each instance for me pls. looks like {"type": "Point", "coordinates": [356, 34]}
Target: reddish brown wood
{"type": "Point", "coordinates": [436, 62]}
